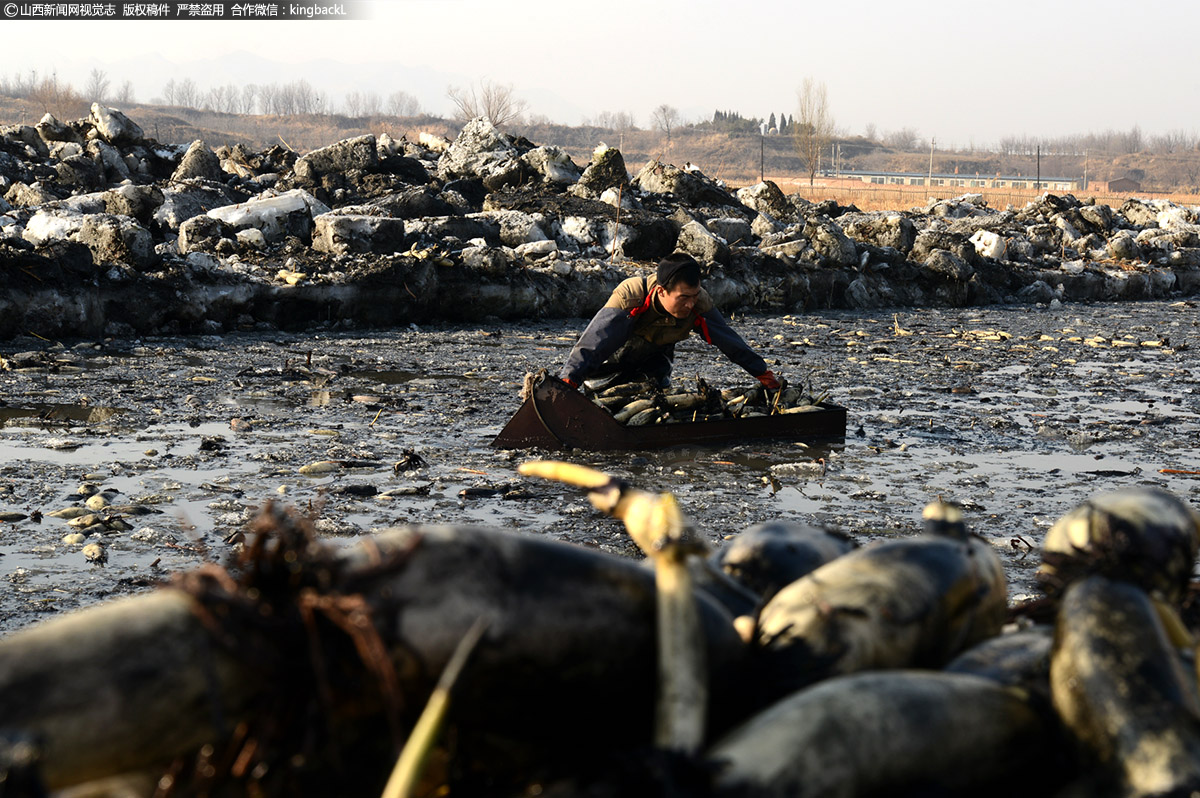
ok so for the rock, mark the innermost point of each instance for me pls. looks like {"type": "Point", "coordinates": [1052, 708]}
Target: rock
{"type": "Point", "coordinates": [433, 142]}
{"type": "Point", "coordinates": [605, 171]}
{"type": "Point", "coordinates": [80, 172]}
{"type": "Point", "coordinates": [20, 195]}
{"type": "Point", "coordinates": [764, 225]}
{"type": "Point", "coordinates": [118, 239]}
{"type": "Point", "coordinates": [412, 203]}
{"type": "Point", "coordinates": [691, 188]}
{"type": "Point", "coordinates": [50, 225]}
{"type": "Point", "coordinates": [516, 228]}
{"type": "Point", "coordinates": [927, 241]}
{"type": "Point", "coordinates": [537, 249]}
{"type": "Point", "coordinates": [490, 261]}
{"type": "Point", "coordinates": [466, 195]}
{"type": "Point", "coordinates": [701, 244]}
{"type": "Point", "coordinates": [481, 151]}
{"type": "Point", "coordinates": [110, 238]}
{"type": "Point", "coordinates": [252, 237]}
{"type": "Point", "coordinates": [356, 153]}
{"type": "Point", "coordinates": [891, 230]}
{"type": "Point", "coordinates": [62, 150]}
{"type": "Point", "coordinates": [553, 164]}
{"type": "Point", "coordinates": [109, 159]}
{"type": "Point", "coordinates": [1122, 246]}
{"type": "Point", "coordinates": [1038, 292]}
{"type": "Point", "coordinates": [181, 204]}
{"type": "Point", "coordinates": [51, 130]}
{"type": "Point", "coordinates": [199, 162]}
{"type": "Point", "coordinates": [767, 198]}
{"type": "Point", "coordinates": [437, 229]}
{"type": "Point", "coordinates": [203, 233]}
{"type": "Point", "coordinates": [734, 231]}
{"type": "Point", "coordinates": [957, 208]}
{"type": "Point", "coordinates": [340, 234]}
{"type": "Point", "coordinates": [138, 202]}
{"type": "Point", "coordinates": [947, 263]}
{"type": "Point", "coordinates": [988, 244]}
{"type": "Point", "coordinates": [278, 216]}
{"type": "Point", "coordinates": [113, 126]}
{"type": "Point", "coordinates": [1100, 217]}
{"type": "Point", "coordinates": [27, 137]}
{"type": "Point", "coordinates": [832, 246]}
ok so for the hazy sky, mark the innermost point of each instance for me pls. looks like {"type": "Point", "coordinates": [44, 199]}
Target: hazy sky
{"type": "Point", "coordinates": [947, 70]}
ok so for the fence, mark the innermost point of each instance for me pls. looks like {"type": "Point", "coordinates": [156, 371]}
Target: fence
{"type": "Point", "coordinates": [870, 197]}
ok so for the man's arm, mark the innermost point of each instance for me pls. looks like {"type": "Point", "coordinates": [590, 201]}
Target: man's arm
{"type": "Point", "coordinates": [608, 329]}
{"type": "Point", "coordinates": [718, 333]}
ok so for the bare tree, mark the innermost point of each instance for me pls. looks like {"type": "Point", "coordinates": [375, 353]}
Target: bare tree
{"type": "Point", "coordinates": [814, 125]}
{"type": "Point", "coordinates": [56, 97]}
{"type": "Point", "coordinates": [124, 95]}
{"type": "Point", "coordinates": [267, 98]}
{"type": "Point", "coordinates": [249, 95]}
{"type": "Point", "coordinates": [362, 104]}
{"type": "Point", "coordinates": [492, 100]}
{"type": "Point", "coordinates": [904, 139]}
{"type": "Point", "coordinates": [665, 118]}
{"type": "Point", "coordinates": [401, 103]}
{"type": "Point", "coordinates": [186, 93]}
{"type": "Point", "coordinates": [618, 121]}
{"type": "Point", "coordinates": [19, 85]}
{"type": "Point", "coordinates": [96, 88]}
{"type": "Point", "coordinates": [223, 99]}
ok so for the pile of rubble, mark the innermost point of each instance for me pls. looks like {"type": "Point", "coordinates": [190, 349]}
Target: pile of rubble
{"type": "Point", "coordinates": [106, 231]}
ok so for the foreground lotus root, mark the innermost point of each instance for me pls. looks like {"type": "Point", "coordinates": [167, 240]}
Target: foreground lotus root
{"type": "Point", "coordinates": [798, 664]}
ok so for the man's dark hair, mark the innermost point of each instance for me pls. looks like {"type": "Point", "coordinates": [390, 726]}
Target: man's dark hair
{"type": "Point", "coordinates": [678, 268]}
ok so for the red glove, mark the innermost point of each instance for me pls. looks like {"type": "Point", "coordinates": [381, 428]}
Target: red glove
{"type": "Point", "coordinates": [768, 380]}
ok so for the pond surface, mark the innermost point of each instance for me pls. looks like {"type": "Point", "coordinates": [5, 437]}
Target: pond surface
{"type": "Point", "coordinates": [1017, 413]}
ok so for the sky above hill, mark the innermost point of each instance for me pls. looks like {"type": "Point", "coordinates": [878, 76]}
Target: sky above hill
{"type": "Point", "coordinates": [955, 72]}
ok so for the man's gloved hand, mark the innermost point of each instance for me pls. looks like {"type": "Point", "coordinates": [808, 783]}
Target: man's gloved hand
{"type": "Point", "coordinates": [769, 381]}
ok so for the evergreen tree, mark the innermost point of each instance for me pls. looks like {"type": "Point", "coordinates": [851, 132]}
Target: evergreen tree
{"type": "Point", "coordinates": [771, 121]}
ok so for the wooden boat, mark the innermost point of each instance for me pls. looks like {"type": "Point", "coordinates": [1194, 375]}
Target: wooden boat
{"type": "Point", "coordinates": [556, 416]}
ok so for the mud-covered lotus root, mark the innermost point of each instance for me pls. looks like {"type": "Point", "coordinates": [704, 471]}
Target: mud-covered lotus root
{"type": "Point", "coordinates": [1141, 535]}
{"type": "Point", "coordinates": [768, 556]}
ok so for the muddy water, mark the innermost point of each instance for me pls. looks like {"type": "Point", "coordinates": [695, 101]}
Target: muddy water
{"type": "Point", "coordinates": [1016, 413]}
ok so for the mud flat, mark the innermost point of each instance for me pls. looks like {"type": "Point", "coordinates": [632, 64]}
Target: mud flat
{"type": "Point", "coordinates": [1017, 413]}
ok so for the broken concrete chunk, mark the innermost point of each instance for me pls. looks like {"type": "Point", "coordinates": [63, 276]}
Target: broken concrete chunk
{"type": "Point", "coordinates": [340, 234]}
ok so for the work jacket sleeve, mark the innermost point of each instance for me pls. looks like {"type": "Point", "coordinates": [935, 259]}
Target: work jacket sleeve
{"type": "Point", "coordinates": [713, 327]}
{"type": "Point", "coordinates": [608, 329]}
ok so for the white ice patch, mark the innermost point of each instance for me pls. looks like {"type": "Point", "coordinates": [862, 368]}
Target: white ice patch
{"type": "Point", "coordinates": [269, 213]}
{"type": "Point", "coordinates": [579, 228]}
{"type": "Point", "coordinates": [1175, 218]}
{"type": "Point", "coordinates": [51, 226]}
{"type": "Point", "coordinates": [988, 244]}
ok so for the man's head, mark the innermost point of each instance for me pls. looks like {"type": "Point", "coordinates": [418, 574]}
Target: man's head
{"type": "Point", "coordinates": [678, 287]}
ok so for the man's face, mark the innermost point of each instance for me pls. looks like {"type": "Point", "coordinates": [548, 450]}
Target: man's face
{"type": "Point", "coordinates": [680, 300]}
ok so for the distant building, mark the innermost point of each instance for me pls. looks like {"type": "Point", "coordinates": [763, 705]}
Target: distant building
{"type": "Point", "coordinates": [1121, 184]}
{"type": "Point", "coordinates": [956, 180]}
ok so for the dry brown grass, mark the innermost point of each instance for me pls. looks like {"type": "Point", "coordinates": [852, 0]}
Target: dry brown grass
{"type": "Point", "coordinates": [898, 198]}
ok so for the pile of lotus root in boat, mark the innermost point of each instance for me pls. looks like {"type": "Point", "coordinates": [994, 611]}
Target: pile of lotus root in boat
{"type": "Point", "coordinates": [637, 404]}
{"type": "Point", "coordinates": [438, 660]}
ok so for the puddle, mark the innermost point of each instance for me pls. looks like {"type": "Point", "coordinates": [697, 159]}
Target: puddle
{"type": "Point", "coordinates": [42, 413]}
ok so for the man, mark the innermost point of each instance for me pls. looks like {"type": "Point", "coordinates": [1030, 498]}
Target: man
{"type": "Point", "coordinates": [634, 335]}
